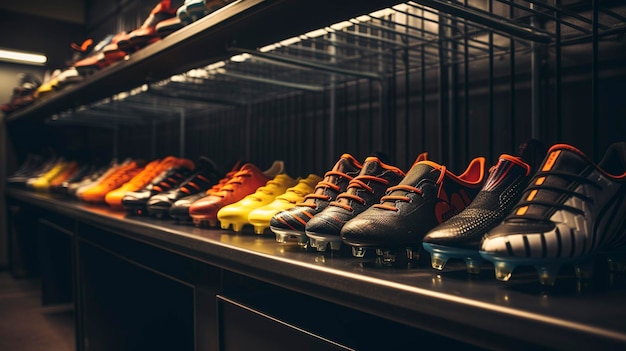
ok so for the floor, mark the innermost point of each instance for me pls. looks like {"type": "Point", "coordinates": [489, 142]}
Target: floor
{"type": "Point", "coordinates": [26, 325]}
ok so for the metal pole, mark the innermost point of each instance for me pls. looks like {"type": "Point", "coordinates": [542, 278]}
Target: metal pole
{"type": "Point", "coordinates": [594, 81]}
{"type": "Point", "coordinates": [535, 66]}
{"type": "Point", "coordinates": [181, 145]}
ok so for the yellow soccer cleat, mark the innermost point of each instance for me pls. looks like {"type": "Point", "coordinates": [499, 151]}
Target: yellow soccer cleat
{"type": "Point", "coordinates": [42, 183]}
{"type": "Point", "coordinates": [236, 214]}
{"type": "Point", "coordinates": [260, 218]}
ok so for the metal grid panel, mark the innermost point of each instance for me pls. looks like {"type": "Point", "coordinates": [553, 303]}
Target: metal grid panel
{"type": "Point", "coordinates": [455, 78]}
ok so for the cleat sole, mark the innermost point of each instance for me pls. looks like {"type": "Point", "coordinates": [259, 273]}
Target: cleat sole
{"type": "Point", "coordinates": [322, 242]}
{"type": "Point", "coordinates": [287, 236]}
{"type": "Point", "coordinates": [547, 268]}
{"type": "Point", "coordinates": [441, 254]}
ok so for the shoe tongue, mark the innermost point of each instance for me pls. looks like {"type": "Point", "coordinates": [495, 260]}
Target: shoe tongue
{"type": "Point", "coordinates": [420, 171]}
{"type": "Point", "coordinates": [205, 163]}
{"type": "Point", "coordinates": [507, 170]}
{"type": "Point", "coordinates": [532, 152]}
{"type": "Point", "coordinates": [565, 158]}
{"type": "Point", "coordinates": [250, 167]}
{"type": "Point", "coordinates": [346, 164]}
{"type": "Point", "coordinates": [372, 166]}
{"type": "Point", "coordinates": [614, 160]}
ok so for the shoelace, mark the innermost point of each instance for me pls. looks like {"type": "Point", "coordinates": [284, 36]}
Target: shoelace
{"type": "Point", "coordinates": [293, 193]}
{"type": "Point", "coordinates": [233, 183]}
{"type": "Point", "coordinates": [531, 199]}
{"type": "Point", "coordinates": [193, 183]}
{"type": "Point", "coordinates": [216, 188]}
{"type": "Point", "coordinates": [169, 181]}
{"type": "Point", "coordinates": [148, 173]}
{"type": "Point", "coordinates": [324, 184]}
{"type": "Point", "coordinates": [120, 174]}
{"type": "Point", "coordinates": [358, 182]}
{"type": "Point", "coordinates": [406, 188]}
{"type": "Point", "coordinates": [267, 189]}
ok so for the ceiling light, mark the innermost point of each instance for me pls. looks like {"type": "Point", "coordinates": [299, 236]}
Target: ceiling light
{"type": "Point", "coordinates": [22, 57]}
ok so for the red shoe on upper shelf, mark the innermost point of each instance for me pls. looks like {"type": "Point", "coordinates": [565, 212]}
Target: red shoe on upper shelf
{"type": "Point", "coordinates": [147, 33]}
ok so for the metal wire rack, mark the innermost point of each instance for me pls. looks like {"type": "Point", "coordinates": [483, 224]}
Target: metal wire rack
{"type": "Point", "coordinates": [400, 43]}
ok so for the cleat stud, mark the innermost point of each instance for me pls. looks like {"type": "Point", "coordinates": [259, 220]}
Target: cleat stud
{"type": "Point", "coordinates": [358, 252]}
{"type": "Point", "coordinates": [473, 265]}
{"type": "Point", "coordinates": [412, 254]}
{"type": "Point", "coordinates": [335, 245]}
{"type": "Point", "coordinates": [547, 274]}
{"type": "Point", "coordinates": [387, 257]}
{"type": "Point", "coordinates": [584, 270]}
{"type": "Point", "coordinates": [616, 265]}
{"type": "Point", "coordinates": [503, 271]}
{"type": "Point", "coordinates": [438, 262]}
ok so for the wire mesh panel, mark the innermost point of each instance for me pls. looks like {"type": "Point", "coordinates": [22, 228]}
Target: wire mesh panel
{"type": "Point", "coordinates": [455, 78]}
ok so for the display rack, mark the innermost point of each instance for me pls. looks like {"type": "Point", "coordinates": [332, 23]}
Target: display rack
{"type": "Point", "coordinates": [261, 79]}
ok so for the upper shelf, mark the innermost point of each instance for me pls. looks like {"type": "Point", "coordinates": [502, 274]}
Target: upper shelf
{"type": "Point", "coordinates": [247, 23]}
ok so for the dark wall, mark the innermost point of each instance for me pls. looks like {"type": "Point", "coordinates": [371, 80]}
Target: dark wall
{"type": "Point", "coordinates": [32, 33]}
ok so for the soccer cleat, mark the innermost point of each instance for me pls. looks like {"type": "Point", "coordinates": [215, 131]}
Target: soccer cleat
{"type": "Point", "coordinates": [363, 191]}
{"type": "Point", "coordinates": [76, 187]}
{"type": "Point", "coordinates": [68, 172]}
{"type": "Point", "coordinates": [111, 181]}
{"type": "Point", "coordinates": [48, 85]}
{"type": "Point", "coordinates": [42, 182]}
{"type": "Point", "coordinates": [81, 172]}
{"type": "Point", "coordinates": [243, 183]}
{"type": "Point", "coordinates": [94, 60]}
{"type": "Point", "coordinates": [236, 214]}
{"type": "Point", "coordinates": [180, 209]}
{"type": "Point", "coordinates": [191, 11]}
{"type": "Point", "coordinates": [571, 210]}
{"type": "Point", "coordinates": [428, 195]}
{"type": "Point", "coordinates": [171, 175]}
{"type": "Point", "coordinates": [168, 26]}
{"type": "Point", "coordinates": [31, 166]}
{"type": "Point", "coordinates": [57, 80]}
{"type": "Point", "coordinates": [147, 34]}
{"type": "Point", "coordinates": [23, 95]}
{"type": "Point", "coordinates": [143, 178]}
{"type": "Point", "coordinates": [203, 177]}
{"type": "Point", "coordinates": [460, 236]}
{"type": "Point", "coordinates": [290, 224]}
{"type": "Point", "coordinates": [260, 217]}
